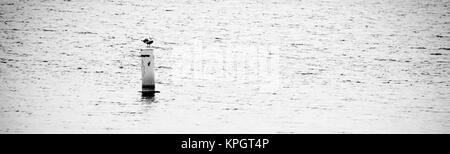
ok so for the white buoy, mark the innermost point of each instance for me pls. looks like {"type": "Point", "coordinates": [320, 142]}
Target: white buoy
{"type": "Point", "coordinates": [148, 71]}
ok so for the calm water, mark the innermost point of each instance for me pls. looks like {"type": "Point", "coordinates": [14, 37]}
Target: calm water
{"type": "Point", "coordinates": [285, 66]}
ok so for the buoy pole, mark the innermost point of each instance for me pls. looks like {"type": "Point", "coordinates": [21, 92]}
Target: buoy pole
{"type": "Point", "coordinates": [148, 71]}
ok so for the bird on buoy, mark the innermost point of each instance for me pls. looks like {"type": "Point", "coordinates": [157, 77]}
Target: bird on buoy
{"type": "Point", "coordinates": [147, 41]}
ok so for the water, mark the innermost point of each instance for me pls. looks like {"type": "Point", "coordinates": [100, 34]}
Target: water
{"type": "Point", "coordinates": [226, 66]}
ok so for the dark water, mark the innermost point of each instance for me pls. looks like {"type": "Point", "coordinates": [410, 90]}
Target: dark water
{"type": "Point", "coordinates": [226, 66]}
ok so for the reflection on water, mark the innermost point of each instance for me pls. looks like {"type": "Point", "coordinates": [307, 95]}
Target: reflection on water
{"type": "Point", "coordinates": [148, 98]}
{"type": "Point", "coordinates": [225, 67]}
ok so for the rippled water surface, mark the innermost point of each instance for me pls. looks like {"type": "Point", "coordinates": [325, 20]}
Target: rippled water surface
{"type": "Point", "coordinates": [285, 66]}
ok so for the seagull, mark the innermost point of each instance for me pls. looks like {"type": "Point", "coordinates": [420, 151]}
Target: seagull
{"type": "Point", "coordinates": [147, 41]}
